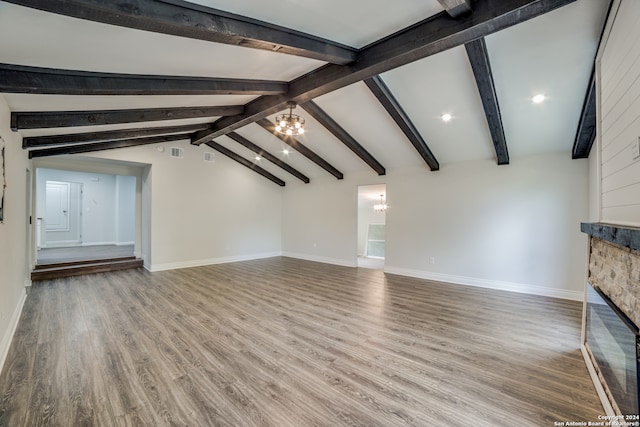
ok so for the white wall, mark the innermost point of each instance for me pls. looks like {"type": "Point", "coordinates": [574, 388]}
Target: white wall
{"type": "Point", "coordinates": [320, 219]}
{"type": "Point", "coordinates": [108, 211]}
{"type": "Point", "coordinates": [619, 114]}
{"type": "Point", "coordinates": [125, 209]}
{"type": "Point", "coordinates": [513, 227]}
{"type": "Point", "coordinates": [13, 257]}
{"type": "Point", "coordinates": [201, 212]}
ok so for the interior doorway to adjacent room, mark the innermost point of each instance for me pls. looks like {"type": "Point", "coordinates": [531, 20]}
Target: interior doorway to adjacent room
{"type": "Point", "coordinates": [83, 216]}
{"type": "Point", "coordinates": [372, 203]}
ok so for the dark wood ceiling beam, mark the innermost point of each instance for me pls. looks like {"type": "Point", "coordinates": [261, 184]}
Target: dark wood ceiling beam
{"type": "Point", "coordinates": [189, 20]}
{"type": "Point", "coordinates": [479, 59]}
{"type": "Point", "coordinates": [299, 147]}
{"type": "Point", "coordinates": [429, 37]}
{"type": "Point", "coordinates": [456, 8]}
{"type": "Point", "coordinates": [339, 132]}
{"type": "Point", "coordinates": [91, 137]}
{"type": "Point", "coordinates": [101, 146]}
{"type": "Point", "coordinates": [586, 134]}
{"type": "Point", "coordinates": [262, 153]}
{"type": "Point", "coordinates": [230, 154]}
{"type": "Point", "coordinates": [397, 113]}
{"type": "Point", "coordinates": [23, 79]}
{"type": "Point", "coordinates": [55, 119]}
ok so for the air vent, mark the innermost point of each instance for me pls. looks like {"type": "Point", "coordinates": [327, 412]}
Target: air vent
{"type": "Point", "coordinates": [209, 156]}
{"type": "Point", "coordinates": [176, 152]}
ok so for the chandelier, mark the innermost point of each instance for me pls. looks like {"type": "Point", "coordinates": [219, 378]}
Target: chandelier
{"type": "Point", "coordinates": [290, 124]}
{"type": "Point", "coordinates": [380, 207]}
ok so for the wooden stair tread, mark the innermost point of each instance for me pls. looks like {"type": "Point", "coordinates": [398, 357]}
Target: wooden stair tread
{"type": "Point", "coordinates": [54, 271]}
{"type": "Point", "coordinates": [82, 262]}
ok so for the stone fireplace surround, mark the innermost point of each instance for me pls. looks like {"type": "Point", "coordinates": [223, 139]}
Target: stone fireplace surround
{"type": "Point", "coordinates": [613, 267]}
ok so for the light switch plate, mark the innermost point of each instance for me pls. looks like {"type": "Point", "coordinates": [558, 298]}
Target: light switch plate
{"type": "Point", "coordinates": [635, 149]}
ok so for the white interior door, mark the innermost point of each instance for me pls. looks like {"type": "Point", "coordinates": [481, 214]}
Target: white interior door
{"type": "Point", "coordinates": [63, 213]}
{"type": "Point", "coordinates": [57, 206]}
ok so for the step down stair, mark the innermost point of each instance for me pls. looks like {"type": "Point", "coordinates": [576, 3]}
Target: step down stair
{"type": "Point", "coordinates": [76, 268]}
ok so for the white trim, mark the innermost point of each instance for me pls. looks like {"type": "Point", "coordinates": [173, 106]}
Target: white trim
{"type": "Point", "coordinates": [11, 330]}
{"type": "Point", "coordinates": [61, 244]}
{"type": "Point", "coordinates": [210, 261]}
{"type": "Point", "coordinates": [324, 260]}
{"type": "Point", "coordinates": [485, 283]}
{"type": "Point", "coordinates": [99, 244]}
{"type": "Point", "coordinates": [71, 243]}
{"type": "Point", "coordinates": [608, 409]}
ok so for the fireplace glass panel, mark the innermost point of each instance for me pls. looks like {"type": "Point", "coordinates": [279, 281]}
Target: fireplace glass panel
{"type": "Point", "coordinates": [613, 341]}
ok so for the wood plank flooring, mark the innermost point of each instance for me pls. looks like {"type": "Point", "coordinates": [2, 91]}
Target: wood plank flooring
{"type": "Point", "coordinates": [284, 342]}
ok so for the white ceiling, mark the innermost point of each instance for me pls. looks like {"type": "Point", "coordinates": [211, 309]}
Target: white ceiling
{"type": "Point", "coordinates": [552, 54]}
{"type": "Point", "coordinates": [354, 23]}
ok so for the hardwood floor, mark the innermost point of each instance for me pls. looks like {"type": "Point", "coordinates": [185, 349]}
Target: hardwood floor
{"type": "Point", "coordinates": [284, 342]}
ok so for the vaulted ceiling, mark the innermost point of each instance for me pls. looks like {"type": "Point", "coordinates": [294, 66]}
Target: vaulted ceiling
{"type": "Point", "coordinates": [372, 78]}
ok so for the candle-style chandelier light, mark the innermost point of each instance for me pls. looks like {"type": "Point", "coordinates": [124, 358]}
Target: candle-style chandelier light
{"type": "Point", "coordinates": [382, 206]}
{"type": "Point", "coordinates": [290, 124]}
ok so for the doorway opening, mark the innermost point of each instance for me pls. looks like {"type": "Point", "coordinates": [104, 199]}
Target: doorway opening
{"type": "Point", "coordinates": [371, 225]}
{"type": "Point", "coordinates": [84, 216]}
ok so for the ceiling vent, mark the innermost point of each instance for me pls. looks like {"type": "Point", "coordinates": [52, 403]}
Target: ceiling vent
{"type": "Point", "coordinates": [177, 152]}
{"type": "Point", "coordinates": [209, 156]}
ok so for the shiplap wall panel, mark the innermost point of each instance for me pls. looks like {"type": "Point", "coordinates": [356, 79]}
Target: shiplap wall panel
{"type": "Point", "coordinates": [620, 118]}
{"type": "Point", "coordinates": [621, 64]}
{"type": "Point", "coordinates": [615, 61]}
{"type": "Point", "coordinates": [619, 211]}
{"type": "Point", "coordinates": [627, 174]}
{"type": "Point", "coordinates": [617, 90]}
{"type": "Point", "coordinates": [616, 121]}
{"type": "Point", "coordinates": [619, 153]}
{"type": "Point", "coordinates": [624, 196]}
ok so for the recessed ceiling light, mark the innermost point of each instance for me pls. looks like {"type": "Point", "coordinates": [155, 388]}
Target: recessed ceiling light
{"type": "Point", "coordinates": [285, 152]}
{"type": "Point", "coordinates": [446, 117]}
{"type": "Point", "coordinates": [258, 158]}
{"type": "Point", "coordinates": [537, 99]}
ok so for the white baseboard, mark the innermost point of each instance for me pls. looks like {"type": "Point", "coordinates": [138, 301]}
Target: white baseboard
{"type": "Point", "coordinates": [13, 324]}
{"type": "Point", "coordinates": [60, 244]}
{"type": "Point", "coordinates": [485, 283]}
{"type": "Point", "coordinates": [325, 260]}
{"type": "Point", "coordinates": [70, 243]}
{"type": "Point", "coordinates": [210, 261]}
{"type": "Point", "coordinates": [98, 244]}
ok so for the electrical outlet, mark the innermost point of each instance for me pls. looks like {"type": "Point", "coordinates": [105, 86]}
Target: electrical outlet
{"type": "Point", "coordinates": [635, 149]}
{"type": "Point", "coordinates": [2, 315]}
{"type": "Point", "coordinates": [432, 260]}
